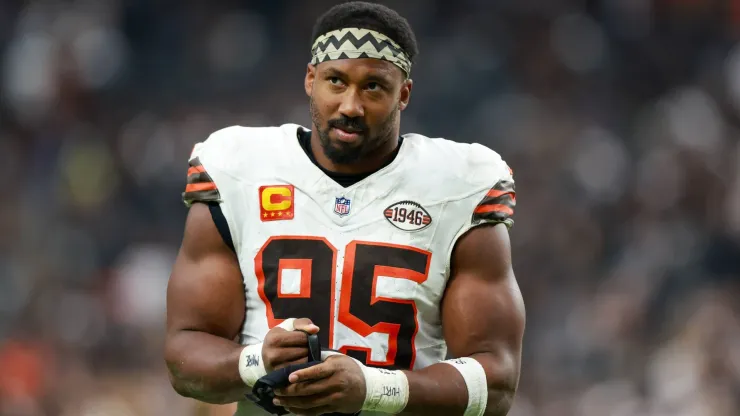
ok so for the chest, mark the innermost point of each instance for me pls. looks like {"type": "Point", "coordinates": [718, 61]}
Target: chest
{"type": "Point", "coordinates": [320, 242]}
{"type": "Point", "coordinates": [368, 270]}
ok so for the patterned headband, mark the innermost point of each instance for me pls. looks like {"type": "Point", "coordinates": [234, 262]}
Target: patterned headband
{"type": "Point", "coordinates": [353, 43]}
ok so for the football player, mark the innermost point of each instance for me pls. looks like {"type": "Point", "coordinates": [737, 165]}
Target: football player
{"type": "Point", "coordinates": [393, 249]}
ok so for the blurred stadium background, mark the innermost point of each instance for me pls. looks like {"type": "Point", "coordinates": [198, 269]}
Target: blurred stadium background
{"type": "Point", "coordinates": [620, 118]}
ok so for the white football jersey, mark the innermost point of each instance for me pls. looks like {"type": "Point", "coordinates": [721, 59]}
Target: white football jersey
{"type": "Point", "coordinates": [368, 263]}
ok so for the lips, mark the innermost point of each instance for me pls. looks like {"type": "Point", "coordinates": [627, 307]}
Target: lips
{"type": "Point", "coordinates": [345, 135]}
{"type": "Point", "coordinates": [348, 130]}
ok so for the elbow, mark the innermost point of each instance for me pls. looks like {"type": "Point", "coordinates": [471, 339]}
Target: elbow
{"type": "Point", "coordinates": [188, 390]}
{"type": "Point", "coordinates": [178, 383]}
{"type": "Point", "coordinates": [173, 363]}
{"type": "Point", "coordinates": [175, 360]}
{"type": "Point", "coordinates": [178, 380]}
{"type": "Point", "coordinates": [186, 381]}
{"type": "Point", "coordinates": [500, 401]}
{"type": "Point", "coordinates": [502, 373]}
{"type": "Point", "coordinates": [502, 391]}
{"type": "Point", "coordinates": [191, 389]}
{"type": "Point", "coordinates": [501, 394]}
{"type": "Point", "coordinates": [180, 389]}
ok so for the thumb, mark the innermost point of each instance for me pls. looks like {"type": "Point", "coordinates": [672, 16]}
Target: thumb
{"type": "Point", "coordinates": [305, 324]}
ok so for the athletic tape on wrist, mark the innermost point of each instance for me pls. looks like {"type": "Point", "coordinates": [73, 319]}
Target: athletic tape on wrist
{"type": "Point", "coordinates": [251, 364]}
{"type": "Point", "coordinates": [387, 391]}
{"type": "Point", "coordinates": [475, 380]}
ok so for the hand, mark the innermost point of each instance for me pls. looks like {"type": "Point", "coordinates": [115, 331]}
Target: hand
{"type": "Point", "coordinates": [336, 385]}
{"type": "Point", "coordinates": [282, 348]}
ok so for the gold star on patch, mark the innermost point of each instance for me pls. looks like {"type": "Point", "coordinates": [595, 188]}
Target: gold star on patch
{"type": "Point", "coordinates": [264, 215]}
{"type": "Point", "coordinates": [272, 214]}
{"type": "Point", "coordinates": [280, 214]}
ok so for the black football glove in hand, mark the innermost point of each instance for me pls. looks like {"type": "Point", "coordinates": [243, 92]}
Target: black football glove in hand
{"type": "Point", "coordinates": [263, 391]}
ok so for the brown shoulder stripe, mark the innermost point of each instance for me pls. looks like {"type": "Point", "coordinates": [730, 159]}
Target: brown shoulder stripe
{"type": "Point", "coordinates": [498, 204]}
{"type": "Point", "coordinates": [200, 186]}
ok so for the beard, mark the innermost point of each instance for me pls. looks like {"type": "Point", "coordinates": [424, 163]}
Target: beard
{"type": "Point", "coordinates": [343, 153]}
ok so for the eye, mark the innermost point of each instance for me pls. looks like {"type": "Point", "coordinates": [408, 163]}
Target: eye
{"type": "Point", "coordinates": [373, 86]}
{"type": "Point", "coordinates": [335, 81]}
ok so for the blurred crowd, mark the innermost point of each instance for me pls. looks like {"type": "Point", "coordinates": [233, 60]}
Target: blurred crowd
{"type": "Point", "coordinates": [620, 119]}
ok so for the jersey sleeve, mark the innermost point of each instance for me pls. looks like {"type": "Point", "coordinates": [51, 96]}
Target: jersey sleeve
{"type": "Point", "coordinates": [212, 178]}
{"type": "Point", "coordinates": [200, 186]}
{"type": "Point", "coordinates": [497, 205]}
{"type": "Point", "coordinates": [211, 166]}
{"type": "Point", "coordinates": [489, 197]}
{"type": "Point", "coordinates": [495, 198]}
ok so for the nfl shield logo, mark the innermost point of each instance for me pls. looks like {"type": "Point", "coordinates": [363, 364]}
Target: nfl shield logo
{"type": "Point", "coordinates": [341, 206]}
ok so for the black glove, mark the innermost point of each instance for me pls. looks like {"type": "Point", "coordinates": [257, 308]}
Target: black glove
{"type": "Point", "coordinates": [263, 391]}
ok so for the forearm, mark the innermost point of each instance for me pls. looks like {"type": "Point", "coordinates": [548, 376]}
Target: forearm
{"type": "Point", "coordinates": [440, 390]}
{"type": "Point", "coordinates": [205, 367]}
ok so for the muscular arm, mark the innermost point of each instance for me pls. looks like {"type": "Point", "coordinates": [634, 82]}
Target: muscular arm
{"type": "Point", "coordinates": [205, 309]}
{"type": "Point", "coordinates": [482, 318]}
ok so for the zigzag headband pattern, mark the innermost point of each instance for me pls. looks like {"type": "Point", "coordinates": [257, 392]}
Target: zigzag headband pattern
{"type": "Point", "coordinates": [353, 43]}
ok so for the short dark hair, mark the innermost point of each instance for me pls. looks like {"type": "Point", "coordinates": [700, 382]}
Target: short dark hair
{"type": "Point", "coordinates": [371, 16]}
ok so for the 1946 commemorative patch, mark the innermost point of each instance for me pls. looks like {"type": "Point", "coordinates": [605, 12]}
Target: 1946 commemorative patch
{"type": "Point", "coordinates": [408, 216]}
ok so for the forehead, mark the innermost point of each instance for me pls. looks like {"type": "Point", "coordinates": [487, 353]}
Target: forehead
{"type": "Point", "coordinates": [361, 68]}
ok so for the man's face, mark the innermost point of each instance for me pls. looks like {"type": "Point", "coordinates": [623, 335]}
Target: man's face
{"type": "Point", "coordinates": [355, 105]}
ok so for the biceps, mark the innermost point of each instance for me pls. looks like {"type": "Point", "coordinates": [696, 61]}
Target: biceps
{"type": "Point", "coordinates": [483, 315]}
{"type": "Point", "coordinates": [205, 291]}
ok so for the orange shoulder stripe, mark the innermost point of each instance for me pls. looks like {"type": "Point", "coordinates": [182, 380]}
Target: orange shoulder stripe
{"type": "Point", "coordinates": [196, 187]}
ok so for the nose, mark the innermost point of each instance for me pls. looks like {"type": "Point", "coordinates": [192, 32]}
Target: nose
{"type": "Point", "coordinates": [351, 105]}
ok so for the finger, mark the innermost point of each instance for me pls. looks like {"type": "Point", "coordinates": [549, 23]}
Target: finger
{"type": "Point", "coordinates": [317, 372]}
{"type": "Point", "coordinates": [309, 388]}
{"type": "Point", "coordinates": [305, 324]}
{"type": "Point", "coordinates": [290, 353]}
{"type": "Point", "coordinates": [290, 339]}
{"type": "Point", "coordinates": [290, 356]}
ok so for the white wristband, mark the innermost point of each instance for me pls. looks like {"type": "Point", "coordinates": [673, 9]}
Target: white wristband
{"type": "Point", "coordinates": [251, 364]}
{"type": "Point", "coordinates": [475, 380]}
{"type": "Point", "coordinates": [387, 391]}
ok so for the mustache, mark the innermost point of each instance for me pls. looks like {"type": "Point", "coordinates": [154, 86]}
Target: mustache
{"type": "Point", "coordinates": [356, 125]}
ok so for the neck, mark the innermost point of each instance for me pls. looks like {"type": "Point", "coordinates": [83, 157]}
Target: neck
{"type": "Point", "coordinates": [367, 163]}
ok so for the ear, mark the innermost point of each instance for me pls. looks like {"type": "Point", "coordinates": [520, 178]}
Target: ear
{"type": "Point", "coordinates": [405, 94]}
{"type": "Point", "coordinates": [310, 77]}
